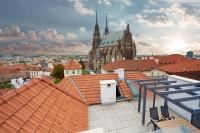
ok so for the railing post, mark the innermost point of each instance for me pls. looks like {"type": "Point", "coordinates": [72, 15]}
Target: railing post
{"type": "Point", "coordinates": [139, 101]}
{"type": "Point", "coordinates": [144, 106]}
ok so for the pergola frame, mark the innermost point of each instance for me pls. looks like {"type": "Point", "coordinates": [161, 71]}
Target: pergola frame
{"type": "Point", "coordinates": [154, 85]}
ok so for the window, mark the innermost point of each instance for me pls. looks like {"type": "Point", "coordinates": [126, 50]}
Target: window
{"type": "Point", "coordinates": [73, 72]}
{"type": "Point", "coordinates": [66, 72]}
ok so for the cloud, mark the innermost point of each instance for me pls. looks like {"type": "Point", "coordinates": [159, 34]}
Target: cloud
{"type": "Point", "coordinates": [32, 35]}
{"type": "Point", "coordinates": [154, 21]}
{"type": "Point", "coordinates": [173, 16]}
{"type": "Point", "coordinates": [51, 35]}
{"type": "Point", "coordinates": [120, 24]}
{"type": "Point", "coordinates": [109, 2]}
{"type": "Point", "coordinates": [82, 29]}
{"type": "Point", "coordinates": [71, 36]}
{"type": "Point", "coordinates": [49, 41]}
{"type": "Point", "coordinates": [78, 5]}
{"type": "Point", "coordinates": [105, 2]}
{"type": "Point", "coordinates": [126, 2]}
{"type": "Point", "coordinates": [165, 44]}
{"type": "Point", "coordinates": [182, 1]}
{"type": "Point", "coordinates": [13, 31]}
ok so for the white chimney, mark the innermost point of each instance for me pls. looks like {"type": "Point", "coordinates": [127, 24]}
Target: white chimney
{"type": "Point", "coordinates": [120, 73]}
{"type": "Point", "coordinates": [135, 58]}
{"type": "Point", "coordinates": [108, 91]}
{"type": "Point", "coordinates": [156, 60]}
{"type": "Point", "coordinates": [113, 59]}
{"type": "Point", "coordinates": [123, 58]}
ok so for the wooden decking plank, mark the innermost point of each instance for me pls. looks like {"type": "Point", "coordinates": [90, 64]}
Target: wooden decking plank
{"type": "Point", "coordinates": [176, 123]}
{"type": "Point", "coordinates": [169, 122]}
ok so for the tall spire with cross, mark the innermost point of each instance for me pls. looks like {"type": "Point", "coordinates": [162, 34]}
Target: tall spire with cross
{"type": "Point", "coordinates": [106, 28]}
{"type": "Point", "coordinates": [96, 32]}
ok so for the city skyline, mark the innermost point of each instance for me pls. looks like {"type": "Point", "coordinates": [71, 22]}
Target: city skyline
{"type": "Point", "coordinates": [66, 26]}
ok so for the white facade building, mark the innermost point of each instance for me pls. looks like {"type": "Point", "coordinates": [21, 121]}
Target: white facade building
{"type": "Point", "coordinates": [72, 68]}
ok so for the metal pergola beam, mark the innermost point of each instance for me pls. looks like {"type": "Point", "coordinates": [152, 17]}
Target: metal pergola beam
{"type": "Point", "coordinates": [171, 86]}
{"type": "Point", "coordinates": [187, 99]}
{"type": "Point", "coordinates": [150, 80]}
{"type": "Point", "coordinates": [156, 83]}
{"type": "Point", "coordinates": [196, 111]}
{"type": "Point", "coordinates": [178, 91]}
{"type": "Point", "coordinates": [174, 102]}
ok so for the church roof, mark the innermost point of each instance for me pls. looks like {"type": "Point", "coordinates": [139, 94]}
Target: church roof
{"type": "Point", "coordinates": [111, 39]}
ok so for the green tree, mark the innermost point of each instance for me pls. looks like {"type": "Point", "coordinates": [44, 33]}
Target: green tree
{"type": "Point", "coordinates": [58, 72]}
{"type": "Point", "coordinates": [6, 85]}
{"type": "Point", "coordinates": [82, 64]}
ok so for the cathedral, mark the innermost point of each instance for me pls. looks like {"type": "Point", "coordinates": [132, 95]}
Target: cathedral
{"type": "Point", "coordinates": [111, 46]}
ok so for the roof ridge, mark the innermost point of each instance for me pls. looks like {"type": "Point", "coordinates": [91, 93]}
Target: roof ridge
{"type": "Point", "coordinates": [78, 89]}
{"type": "Point", "coordinates": [57, 87]}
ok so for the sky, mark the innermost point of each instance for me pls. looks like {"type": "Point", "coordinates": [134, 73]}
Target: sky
{"type": "Point", "coordinates": [64, 27]}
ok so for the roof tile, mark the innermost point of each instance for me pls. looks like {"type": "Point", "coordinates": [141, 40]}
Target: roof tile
{"type": "Point", "coordinates": [90, 88]}
{"type": "Point", "coordinates": [42, 107]}
{"type": "Point", "coordinates": [131, 65]}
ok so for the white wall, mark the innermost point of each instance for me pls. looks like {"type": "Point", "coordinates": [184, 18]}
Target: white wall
{"type": "Point", "coordinates": [37, 74]}
{"type": "Point", "coordinates": [192, 104]}
{"type": "Point", "coordinates": [72, 72]}
{"type": "Point", "coordinates": [108, 94]}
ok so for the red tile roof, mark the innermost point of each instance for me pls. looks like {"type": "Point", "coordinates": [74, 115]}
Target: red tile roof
{"type": "Point", "coordinates": [72, 65]}
{"type": "Point", "coordinates": [90, 88]}
{"type": "Point", "coordinates": [184, 66]}
{"type": "Point", "coordinates": [9, 71]}
{"type": "Point", "coordinates": [44, 107]}
{"type": "Point", "coordinates": [126, 91]}
{"type": "Point", "coordinates": [131, 65]}
{"type": "Point", "coordinates": [170, 59]}
{"type": "Point", "coordinates": [4, 91]}
{"type": "Point", "coordinates": [19, 67]}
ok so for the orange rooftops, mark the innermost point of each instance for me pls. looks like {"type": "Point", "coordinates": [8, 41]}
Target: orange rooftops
{"type": "Point", "coordinates": [170, 59]}
{"type": "Point", "coordinates": [72, 65]}
{"type": "Point", "coordinates": [90, 88]}
{"type": "Point", "coordinates": [131, 65]}
{"type": "Point", "coordinates": [184, 66]}
{"type": "Point", "coordinates": [42, 106]}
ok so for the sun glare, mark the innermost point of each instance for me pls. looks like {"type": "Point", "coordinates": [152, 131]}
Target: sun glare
{"type": "Point", "coordinates": [177, 45]}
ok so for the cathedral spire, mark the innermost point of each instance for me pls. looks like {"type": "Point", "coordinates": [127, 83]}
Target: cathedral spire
{"type": "Point", "coordinates": [106, 28]}
{"type": "Point", "coordinates": [96, 18]}
{"type": "Point", "coordinates": [96, 32]}
{"type": "Point", "coordinates": [128, 29]}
